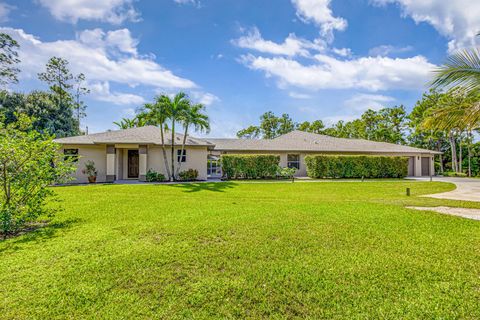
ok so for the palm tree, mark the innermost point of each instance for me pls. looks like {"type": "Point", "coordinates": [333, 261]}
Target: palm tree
{"type": "Point", "coordinates": [174, 109]}
{"type": "Point", "coordinates": [192, 116]}
{"type": "Point", "coordinates": [462, 69]}
{"type": "Point", "coordinates": [125, 123]}
{"type": "Point", "coordinates": [155, 114]}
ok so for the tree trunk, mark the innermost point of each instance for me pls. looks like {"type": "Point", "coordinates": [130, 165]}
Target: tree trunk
{"type": "Point", "coordinates": [460, 156]}
{"type": "Point", "coordinates": [439, 143]}
{"type": "Point", "coordinates": [469, 153]}
{"type": "Point", "coordinates": [179, 163]}
{"type": "Point", "coordinates": [453, 149]}
{"type": "Point", "coordinates": [173, 151]}
{"type": "Point", "coordinates": [164, 151]}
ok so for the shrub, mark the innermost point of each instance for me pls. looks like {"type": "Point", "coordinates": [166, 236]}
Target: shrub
{"type": "Point", "coordinates": [256, 166]}
{"type": "Point", "coordinates": [90, 169]}
{"type": "Point", "coordinates": [454, 174]}
{"type": "Point", "coordinates": [324, 166]}
{"type": "Point", "coordinates": [29, 164]}
{"type": "Point", "coordinates": [153, 176]}
{"type": "Point", "coordinates": [188, 175]}
{"type": "Point", "coordinates": [286, 173]}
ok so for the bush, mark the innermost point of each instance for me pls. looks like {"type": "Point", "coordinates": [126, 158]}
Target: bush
{"type": "Point", "coordinates": [188, 175]}
{"type": "Point", "coordinates": [153, 176]}
{"type": "Point", "coordinates": [454, 174]}
{"type": "Point", "coordinates": [256, 166]}
{"type": "Point", "coordinates": [286, 173]}
{"type": "Point", "coordinates": [336, 167]}
{"type": "Point", "coordinates": [30, 163]}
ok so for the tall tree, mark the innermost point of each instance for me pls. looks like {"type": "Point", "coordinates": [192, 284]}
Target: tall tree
{"type": "Point", "coordinates": [192, 116]}
{"type": "Point", "coordinates": [157, 114]}
{"type": "Point", "coordinates": [174, 109]}
{"type": "Point", "coordinates": [59, 78]}
{"type": "Point", "coordinates": [251, 132]}
{"type": "Point", "coordinates": [80, 90]}
{"type": "Point", "coordinates": [8, 59]}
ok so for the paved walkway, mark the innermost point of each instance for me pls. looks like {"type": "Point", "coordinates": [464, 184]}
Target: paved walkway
{"type": "Point", "coordinates": [473, 214]}
{"type": "Point", "coordinates": [468, 189]}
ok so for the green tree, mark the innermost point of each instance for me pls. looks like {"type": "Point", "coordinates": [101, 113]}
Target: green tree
{"type": "Point", "coordinates": [252, 132]}
{"type": "Point", "coordinates": [8, 59]}
{"type": "Point", "coordinates": [157, 114]}
{"type": "Point", "coordinates": [139, 120]}
{"type": "Point", "coordinates": [29, 164]}
{"type": "Point", "coordinates": [192, 115]}
{"type": "Point", "coordinates": [59, 78]}
{"type": "Point", "coordinates": [80, 90]}
{"type": "Point", "coordinates": [174, 108]}
{"type": "Point", "coordinates": [40, 105]}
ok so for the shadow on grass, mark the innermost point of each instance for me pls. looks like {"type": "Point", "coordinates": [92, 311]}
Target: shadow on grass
{"type": "Point", "coordinates": [37, 235]}
{"type": "Point", "coordinates": [204, 186]}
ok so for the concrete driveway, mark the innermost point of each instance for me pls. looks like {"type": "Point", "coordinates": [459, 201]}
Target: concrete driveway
{"type": "Point", "coordinates": [468, 189]}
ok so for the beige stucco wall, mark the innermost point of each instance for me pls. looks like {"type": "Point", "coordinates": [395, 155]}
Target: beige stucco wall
{"type": "Point", "coordinates": [302, 172]}
{"type": "Point", "coordinates": [97, 154]}
{"type": "Point", "coordinates": [196, 159]}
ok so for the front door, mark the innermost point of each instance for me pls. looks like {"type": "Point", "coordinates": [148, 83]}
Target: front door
{"type": "Point", "coordinates": [133, 163]}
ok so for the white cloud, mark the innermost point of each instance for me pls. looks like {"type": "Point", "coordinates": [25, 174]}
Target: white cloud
{"type": "Point", "coordinates": [319, 12]}
{"type": "Point", "coordinates": [292, 45]}
{"type": "Point", "coordinates": [204, 98]}
{"type": "Point", "coordinates": [297, 95]}
{"type": "Point", "coordinates": [101, 91]}
{"type": "Point", "coordinates": [370, 73]}
{"type": "Point", "coordinates": [458, 20]}
{"type": "Point", "coordinates": [385, 50]}
{"type": "Point", "coordinates": [362, 102]}
{"type": "Point", "coordinates": [5, 10]}
{"type": "Point", "coordinates": [119, 40]}
{"type": "Point", "coordinates": [112, 11]}
{"type": "Point", "coordinates": [192, 2]}
{"type": "Point", "coordinates": [343, 52]}
{"type": "Point", "coordinates": [100, 58]}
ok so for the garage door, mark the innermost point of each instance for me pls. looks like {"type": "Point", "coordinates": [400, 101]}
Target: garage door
{"type": "Point", "coordinates": [425, 166]}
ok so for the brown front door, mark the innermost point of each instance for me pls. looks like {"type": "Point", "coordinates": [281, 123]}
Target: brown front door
{"type": "Point", "coordinates": [133, 163]}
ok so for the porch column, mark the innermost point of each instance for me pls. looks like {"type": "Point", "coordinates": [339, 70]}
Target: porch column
{"type": "Point", "coordinates": [142, 162]}
{"type": "Point", "coordinates": [417, 169]}
{"type": "Point", "coordinates": [110, 163]}
{"type": "Point", "coordinates": [432, 165]}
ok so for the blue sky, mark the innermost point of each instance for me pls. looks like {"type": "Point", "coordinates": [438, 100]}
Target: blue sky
{"type": "Point", "coordinates": [313, 59]}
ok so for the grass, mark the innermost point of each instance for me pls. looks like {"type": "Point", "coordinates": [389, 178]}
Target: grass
{"type": "Point", "coordinates": [239, 250]}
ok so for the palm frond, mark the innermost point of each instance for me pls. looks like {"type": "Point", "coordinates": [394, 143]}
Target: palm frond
{"type": "Point", "coordinates": [461, 69]}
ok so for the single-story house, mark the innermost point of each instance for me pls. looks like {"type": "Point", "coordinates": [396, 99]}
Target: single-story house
{"type": "Point", "coordinates": [130, 153]}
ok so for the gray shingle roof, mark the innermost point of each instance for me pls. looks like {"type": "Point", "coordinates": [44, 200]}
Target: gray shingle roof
{"type": "Point", "coordinates": [141, 135]}
{"type": "Point", "coordinates": [310, 142]}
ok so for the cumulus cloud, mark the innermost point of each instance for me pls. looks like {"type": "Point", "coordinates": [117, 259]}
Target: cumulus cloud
{"type": "Point", "coordinates": [100, 56]}
{"type": "Point", "coordinates": [369, 73]}
{"type": "Point", "coordinates": [458, 20]}
{"type": "Point", "coordinates": [319, 12]}
{"type": "Point", "coordinates": [362, 102]}
{"type": "Point", "coordinates": [101, 91]}
{"type": "Point", "coordinates": [204, 98]}
{"type": "Point", "coordinates": [292, 45]}
{"type": "Point", "coordinates": [111, 11]}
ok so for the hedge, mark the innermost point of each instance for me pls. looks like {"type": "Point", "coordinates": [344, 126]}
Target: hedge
{"type": "Point", "coordinates": [255, 166]}
{"type": "Point", "coordinates": [323, 166]}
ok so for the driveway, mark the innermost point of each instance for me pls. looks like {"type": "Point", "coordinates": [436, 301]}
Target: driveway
{"type": "Point", "coordinates": [468, 189]}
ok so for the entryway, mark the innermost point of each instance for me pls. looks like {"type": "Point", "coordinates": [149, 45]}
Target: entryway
{"type": "Point", "coordinates": [133, 164]}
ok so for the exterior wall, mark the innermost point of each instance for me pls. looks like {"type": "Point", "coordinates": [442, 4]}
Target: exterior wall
{"type": "Point", "coordinates": [196, 159]}
{"type": "Point", "coordinates": [97, 154]}
{"type": "Point", "coordinates": [302, 172]}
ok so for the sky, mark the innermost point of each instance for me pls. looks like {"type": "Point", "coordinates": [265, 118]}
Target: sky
{"type": "Point", "coordinates": [313, 59]}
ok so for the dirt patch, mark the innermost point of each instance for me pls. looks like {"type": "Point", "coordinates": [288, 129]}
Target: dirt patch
{"type": "Point", "coordinates": [460, 212]}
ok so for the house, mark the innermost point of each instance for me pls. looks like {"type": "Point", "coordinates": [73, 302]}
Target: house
{"type": "Point", "coordinates": [130, 153]}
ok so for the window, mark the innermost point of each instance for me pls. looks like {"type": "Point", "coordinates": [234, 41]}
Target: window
{"type": "Point", "coordinates": [71, 154]}
{"type": "Point", "coordinates": [293, 161]}
{"type": "Point", "coordinates": [183, 157]}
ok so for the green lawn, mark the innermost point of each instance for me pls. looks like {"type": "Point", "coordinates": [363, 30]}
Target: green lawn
{"type": "Point", "coordinates": [240, 250]}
